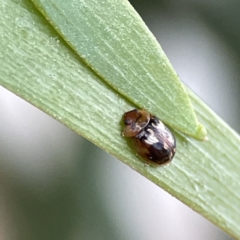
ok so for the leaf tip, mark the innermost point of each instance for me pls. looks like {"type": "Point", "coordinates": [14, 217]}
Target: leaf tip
{"type": "Point", "coordinates": [201, 133]}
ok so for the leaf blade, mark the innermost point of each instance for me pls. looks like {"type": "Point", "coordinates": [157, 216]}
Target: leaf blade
{"type": "Point", "coordinates": [38, 66]}
{"type": "Point", "coordinates": [129, 58]}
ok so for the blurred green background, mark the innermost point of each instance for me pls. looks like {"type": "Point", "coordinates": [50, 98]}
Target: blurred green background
{"type": "Point", "coordinates": [56, 185]}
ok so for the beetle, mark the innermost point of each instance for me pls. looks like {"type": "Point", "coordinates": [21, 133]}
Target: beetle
{"type": "Point", "coordinates": [153, 141]}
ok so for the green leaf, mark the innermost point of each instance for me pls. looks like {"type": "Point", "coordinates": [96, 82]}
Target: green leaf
{"type": "Point", "coordinates": [36, 64]}
{"type": "Point", "coordinates": [112, 39]}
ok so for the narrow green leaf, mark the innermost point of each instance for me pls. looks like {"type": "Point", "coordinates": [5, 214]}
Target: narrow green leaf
{"type": "Point", "coordinates": [36, 64]}
{"type": "Point", "coordinates": [111, 37]}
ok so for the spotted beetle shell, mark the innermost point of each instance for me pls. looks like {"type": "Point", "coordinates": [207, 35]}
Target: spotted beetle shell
{"type": "Point", "coordinates": [153, 140]}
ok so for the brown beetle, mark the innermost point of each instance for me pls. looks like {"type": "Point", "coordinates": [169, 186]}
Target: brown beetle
{"type": "Point", "coordinates": [153, 140]}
